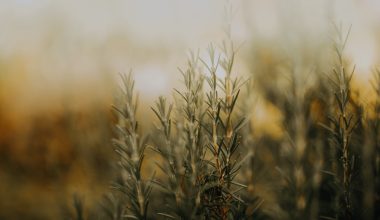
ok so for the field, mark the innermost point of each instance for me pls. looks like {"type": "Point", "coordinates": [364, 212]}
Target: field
{"type": "Point", "coordinates": [271, 113]}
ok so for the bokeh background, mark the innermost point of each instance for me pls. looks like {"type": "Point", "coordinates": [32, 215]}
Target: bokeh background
{"type": "Point", "coordinates": [59, 66]}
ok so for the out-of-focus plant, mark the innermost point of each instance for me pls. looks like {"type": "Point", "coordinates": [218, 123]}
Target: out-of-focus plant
{"type": "Point", "coordinates": [371, 155]}
{"type": "Point", "coordinates": [301, 176]}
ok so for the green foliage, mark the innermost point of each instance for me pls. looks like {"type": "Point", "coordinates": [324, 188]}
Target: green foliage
{"type": "Point", "coordinates": [343, 122]}
{"type": "Point", "coordinates": [130, 147]}
{"type": "Point", "coordinates": [211, 165]}
{"type": "Point", "coordinates": [202, 157]}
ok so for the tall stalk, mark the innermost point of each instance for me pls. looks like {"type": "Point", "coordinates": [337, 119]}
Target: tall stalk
{"type": "Point", "coordinates": [299, 174]}
{"type": "Point", "coordinates": [298, 129]}
{"type": "Point", "coordinates": [130, 147]}
{"type": "Point", "coordinates": [224, 135]}
{"type": "Point", "coordinates": [344, 122]}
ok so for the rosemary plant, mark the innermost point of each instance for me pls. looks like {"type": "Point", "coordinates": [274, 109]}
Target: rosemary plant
{"type": "Point", "coordinates": [297, 126]}
{"type": "Point", "coordinates": [343, 122]}
{"type": "Point", "coordinates": [130, 146]}
{"type": "Point", "coordinates": [183, 152]}
{"type": "Point", "coordinates": [301, 161]}
{"type": "Point", "coordinates": [200, 167]}
{"type": "Point", "coordinates": [224, 202]}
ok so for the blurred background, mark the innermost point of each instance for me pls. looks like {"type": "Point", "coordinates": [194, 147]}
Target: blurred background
{"type": "Point", "coordinates": [59, 66]}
